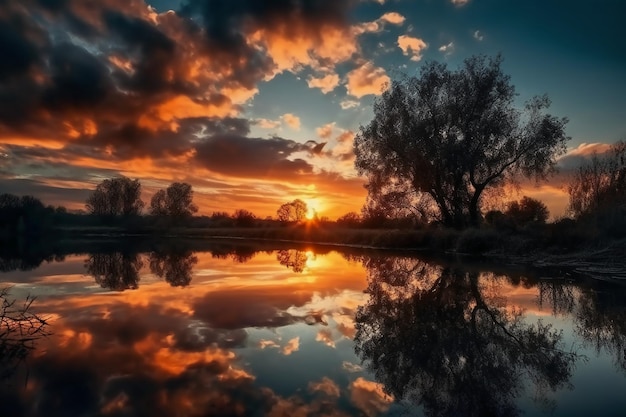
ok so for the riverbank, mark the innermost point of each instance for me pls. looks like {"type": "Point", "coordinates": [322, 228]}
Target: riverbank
{"type": "Point", "coordinates": [570, 250]}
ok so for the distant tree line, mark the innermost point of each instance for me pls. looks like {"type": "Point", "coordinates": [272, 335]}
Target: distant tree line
{"type": "Point", "coordinates": [121, 197]}
{"type": "Point", "coordinates": [27, 215]}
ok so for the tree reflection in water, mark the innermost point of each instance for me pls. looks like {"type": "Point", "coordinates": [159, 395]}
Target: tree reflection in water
{"type": "Point", "coordinates": [601, 322]}
{"type": "Point", "coordinates": [441, 337]}
{"type": "Point", "coordinates": [175, 266]}
{"type": "Point", "coordinates": [117, 271]}
{"type": "Point", "coordinates": [599, 314]}
{"type": "Point", "coordinates": [293, 259]}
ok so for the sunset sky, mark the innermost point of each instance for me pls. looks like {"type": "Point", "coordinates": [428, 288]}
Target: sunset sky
{"type": "Point", "coordinates": [256, 103]}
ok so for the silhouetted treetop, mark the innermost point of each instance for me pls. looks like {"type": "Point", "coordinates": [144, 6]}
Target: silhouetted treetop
{"type": "Point", "coordinates": [119, 196]}
{"type": "Point", "coordinates": [175, 201]}
{"type": "Point", "coordinates": [293, 211]}
{"type": "Point", "coordinates": [450, 135]}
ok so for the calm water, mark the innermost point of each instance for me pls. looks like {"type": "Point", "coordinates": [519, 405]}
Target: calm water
{"type": "Point", "coordinates": [177, 331]}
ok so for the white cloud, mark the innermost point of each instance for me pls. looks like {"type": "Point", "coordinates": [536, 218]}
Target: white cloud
{"type": "Point", "coordinates": [447, 49]}
{"type": "Point", "coordinates": [412, 46]}
{"type": "Point", "coordinates": [459, 2]}
{"type": "Point", "coordinates": [291, 120]}
{"type": "Point", "coordinates": [351, 367]}
{"type": "Point", "coordinates": [478, 35]}
{"type": "Point", "coordinates": [267, 123]}
{"type": "Point", "coordinates": [349, 104]}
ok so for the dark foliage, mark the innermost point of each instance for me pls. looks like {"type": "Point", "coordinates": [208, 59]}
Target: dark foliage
{"type": "Point", "coordinates": [438, 141]}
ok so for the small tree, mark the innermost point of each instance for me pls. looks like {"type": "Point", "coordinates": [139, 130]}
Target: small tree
{"type": "Point", "coordinates": [600, 185]}
{"type": "Point", "coordinates": [294, 211]}
{"type": "Point", "coordinates": [176, 201]}
{"type": "Point", "coordinates": [526, 211]}
{"type": "Point", "coordinates": [20, 328]}
{"type": "Point", "coordinates": [451, 135]}
{"type": "Point", "coordinates": [244, 218]}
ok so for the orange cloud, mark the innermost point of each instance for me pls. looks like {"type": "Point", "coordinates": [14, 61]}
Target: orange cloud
{"type": "Point", "coordinates": [412, 46]}
{"type": "Point", "coordinates": [291, 120]}
{"type": "Point", "coordinates": [327, 386]}
{"type": "Point", "coordinates": [292, 345]}
{"type": "Point", "coordinates": [325, 132]}
{"type": "Point", "coordinates": [367, 79]}
{"type": "Point", "coordinates": [326, 337]}
{"type": "Point", "coordinates": [326, 83]}
{"type": "Point", "coordinates": [369, 397]}
{"type": "Point", "coordinates": [393, 17]}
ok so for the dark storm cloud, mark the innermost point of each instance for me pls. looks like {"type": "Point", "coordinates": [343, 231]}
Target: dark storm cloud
{"type": "Point", "coordinates": [224, 20]}
{"type": "Point", "coordinates": [254, 157]}
{"type": "Point", "coordinates": [155, 49]}
{"type": "Point", "coordinates": [78, 79]}
{"type": "Point", "coordinates": [18, 47]}
{"type": "Point", "coordinates": [116, 68]}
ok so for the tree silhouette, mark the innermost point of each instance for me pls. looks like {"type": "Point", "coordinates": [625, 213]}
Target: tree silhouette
{"type": "Point", "coordinates": [175, 266]}
{"type": "Point", "coordinates": [117, 271]}
{"type": "Point", "coordinates": [20, 329]}
{"type": "Point", "coordinates": [176, 201]}
{"type": "Point", "coordinates": [294, 211]}
{"type": "Point", "coordinates": [116, 197]}
{"type": "Point", "coordinates": [435, 336]}
{"type": "Point", "coordinates": [600, 185]}
{"type": "Point", "coordinates": [451, 135]}
{"type": "Point", "coordinates": [527, 211]}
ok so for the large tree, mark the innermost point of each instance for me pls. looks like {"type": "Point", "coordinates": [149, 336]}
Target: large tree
{"type": "Point", "coordinates": [119, 196]}
{"type": "Point", "coordinates": [451, 135]}
{"type": "Point", "coordinates": [176, 201]}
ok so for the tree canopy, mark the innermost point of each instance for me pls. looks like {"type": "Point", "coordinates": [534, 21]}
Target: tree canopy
{"type": "Point", "coordinates": [176, 201]}
{"type": "Point", "coordinates": [441, 139]}
{"type": "Point", "coordinates": [119, 196]}
{"type": "Point", "coordinates": [294, 211]}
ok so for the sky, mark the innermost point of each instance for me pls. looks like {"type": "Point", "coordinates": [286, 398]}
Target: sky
{"type": "Point", "coordinates": [256, 103]}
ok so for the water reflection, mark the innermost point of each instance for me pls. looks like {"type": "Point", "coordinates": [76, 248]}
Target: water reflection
{"type": "Point", "coordinates": [174, 266]}
{"type": "Point", "coordinates": [442, 338]}
{"type": "Point", "coordinates": [276, 335]}
{"type": "Point", "coordinates": [117, 271]}
{"type": "Point", "coordinates": [293, 259]}
{"type": "Point", "coordinates": [601, 322]}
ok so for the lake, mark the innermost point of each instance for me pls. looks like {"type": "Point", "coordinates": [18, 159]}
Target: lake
{"type": "Point", "coordinates": [229, 329]}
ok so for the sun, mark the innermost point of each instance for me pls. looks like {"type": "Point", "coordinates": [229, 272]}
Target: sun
{"type": "Point", "coordinates": [313, 206]}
